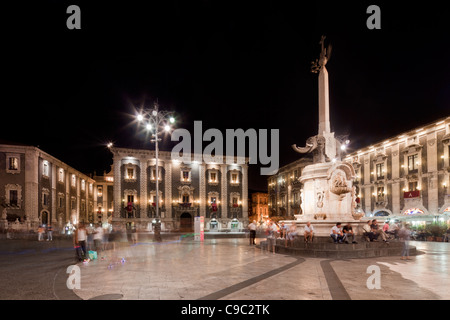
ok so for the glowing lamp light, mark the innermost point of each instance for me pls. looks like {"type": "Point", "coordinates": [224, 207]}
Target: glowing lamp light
{"type": "Point", "coordinates": [172, 119]}
{"type": "Point", "coordinates": [167, 128]}
{"type": "Point", "coordinates": [149, 127]}
{"type": "Point", "coordinates": [140, 117]}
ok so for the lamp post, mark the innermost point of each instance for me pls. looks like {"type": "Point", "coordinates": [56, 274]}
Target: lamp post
{"type": "Point", "coordinates": [156, 121]}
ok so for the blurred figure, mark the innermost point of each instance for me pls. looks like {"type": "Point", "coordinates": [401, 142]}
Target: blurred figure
{"type": "Point", "coordinates": [405, 236]}
{"type": "Point", "coordinates": [134, 235]}
{"type": "Point", "coordinates": [49, 233]}
{"type": "Point", "coordinates": [252, 228]}
{"type": "Point", "coordinates": [98, 237]}
{"type": "Point", "coordinates": [292, 233]}
{"type": "Point", "coordinates": [80, 238]}
{"type": "Point", "coordinates": [41, 233]}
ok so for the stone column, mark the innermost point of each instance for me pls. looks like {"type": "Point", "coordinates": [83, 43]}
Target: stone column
{"type": "Point", "coordinates": [223, 196]}
{"type": "Point", "coordinates": [53, 192]}
{"type": "Point", "coordinates": [143, 201]}
{"type": "Point", "coordinates": [168, 189]}
{"type": "Point", "coordinates": [31, 186]}
{"type": "Point", "coordinates": [395, 168]}
{"type": "Point", "coordinates": [117, 186]}
{"type": "Point", "coordinates": [432, 169]}
{"type": "Point", "coordinates": [202, 189]}
{"type": "Point", "coordinates": [245, 194]}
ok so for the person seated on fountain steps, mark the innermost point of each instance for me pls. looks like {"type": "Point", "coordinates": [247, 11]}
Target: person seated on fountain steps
{"type": "Point", "coordinates": [309, 232]}
{"type": "Point", "coordinates": [336, 233]}
{"type": "Point", "coordinates": [368, 233]}
{"type": "Point", "coordinates": [348, 233]}
{"type": "Point", "coordinates": [378, 231]}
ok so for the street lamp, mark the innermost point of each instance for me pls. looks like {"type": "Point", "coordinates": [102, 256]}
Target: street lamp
{"type": "Point", "coordinates": [156, 121]}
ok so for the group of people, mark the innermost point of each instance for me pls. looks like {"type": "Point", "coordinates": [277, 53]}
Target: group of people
{"type": "Point", "coordinates": [372, 231]}
{"type": "Point", "coordinates": [341, 234]}
{"type": "Point", "coordinates": [282, 231]}
{"type": "Point", "coordinates": [43, 229]}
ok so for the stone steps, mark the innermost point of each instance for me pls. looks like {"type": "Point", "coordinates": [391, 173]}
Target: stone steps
{"type": "Point", "coordinates": [323, 249]}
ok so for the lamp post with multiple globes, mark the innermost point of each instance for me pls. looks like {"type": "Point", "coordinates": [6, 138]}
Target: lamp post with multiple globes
{"type": "Point", "coordinates": [157, 122]}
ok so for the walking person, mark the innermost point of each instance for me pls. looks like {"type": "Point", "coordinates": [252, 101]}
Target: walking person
{"type": "Point", "coordinates": [252, 228]}
{"type": "Point", "coordinates": [98, 237]}
{"type": "Point", "coordinates": [41, 233]}
{"type": "Point", "coordinates": [80, 237]}
{"type": "Point", "coordinates": [49, 233]}
{"type": "Point", "coordinates": [405, 236]}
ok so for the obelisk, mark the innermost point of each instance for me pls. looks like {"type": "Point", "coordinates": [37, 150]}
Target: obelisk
{"type": "Point", "coordinates": [324, 103]}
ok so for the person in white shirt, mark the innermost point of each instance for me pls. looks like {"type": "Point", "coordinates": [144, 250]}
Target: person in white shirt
{"type": "Point", "coordinates": [252, 228]}
{"type": "Point", "coordinates": [309, 232]}
{"type": "Point", "coordinates": [336, 233]}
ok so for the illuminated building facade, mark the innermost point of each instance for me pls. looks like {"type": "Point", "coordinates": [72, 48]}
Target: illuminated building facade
{"type": "Point", "coordinates": [406, 175]}
{"type": "Point", "coordinates": [36, 188]}
{"type": "Point", "coordinates": [218, 192]}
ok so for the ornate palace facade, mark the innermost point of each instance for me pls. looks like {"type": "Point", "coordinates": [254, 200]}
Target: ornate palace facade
{"type": "Point", "coordinates": [218, 192]}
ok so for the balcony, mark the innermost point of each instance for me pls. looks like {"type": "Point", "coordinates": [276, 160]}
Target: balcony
{"type": "Point", "coordinates": [411, 194]}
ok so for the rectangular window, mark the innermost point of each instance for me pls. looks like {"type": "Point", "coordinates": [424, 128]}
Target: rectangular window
{"type": "Point", "coordinates": [13, 163]}
{"type": "Point", "coordinates": [185, 198]}
{"type": "Point", "coordinates": [380, 193]}
{"type": "Point", "coordinates": [234, 178]}
{"type": "Point", "coordinates": [380, 170]}
{"type": "Point", "coordinates": [46, 169]}
{"type": "Point", "coordinates": [213, 200]}
{"type": "Point", "coordinates": [130, 173]}
{"type": "Point", "coordinates": [99, 191]}
{"type": "Point", "coordinates": [213, 177]}
{"type": "Point", "coordinates": [61, 202]}
{"type": "Point", "coordinates": [13, 197]}
{"type": "Point", "coordinates": [130, 198]}
{"type": "Point", "coordinates": [61, 175]}
{"type": "Point", "coordinates": [46, 199]}
{"type": "Point", "coordinates": [413, 162]}
{"type": "Point", "coordinates": [412, 186]}
{"type": "Point", "coordinates": [185, 175]}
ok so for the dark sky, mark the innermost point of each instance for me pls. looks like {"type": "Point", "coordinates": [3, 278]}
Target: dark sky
{"type": "Point", "coordinates": [230, 64]}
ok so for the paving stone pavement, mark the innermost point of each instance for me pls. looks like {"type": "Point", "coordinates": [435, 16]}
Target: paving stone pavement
{"type": "Point", "coordinates": [230, 269]}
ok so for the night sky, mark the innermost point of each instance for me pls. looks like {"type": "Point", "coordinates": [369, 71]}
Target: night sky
{"type": "Point", "coordinates": [230, 64]}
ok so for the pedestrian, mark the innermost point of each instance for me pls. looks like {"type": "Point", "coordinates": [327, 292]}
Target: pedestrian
{"type": "Point", "coordinates": [98, 237]}
{"type": "Point", "coordinates": [405, 236]}
{"type": "Point", "coordinates": [252, 228]}
{"type": "Point", "coordinates": [134, 235]}
{"type": "Point", "coordinates": [49, 233]}
{"type": "Point", "coordinates": [272, 236]}
{"type": "Point", "coordinates": [336, 233]}
{"type": "Point", "coordinates": [41, 233]}
{"type": "Point", "coordinates": [80, 237]}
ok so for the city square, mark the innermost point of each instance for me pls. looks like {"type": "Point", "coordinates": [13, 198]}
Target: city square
{"type": "Point", "coordinates": [226, 159]}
